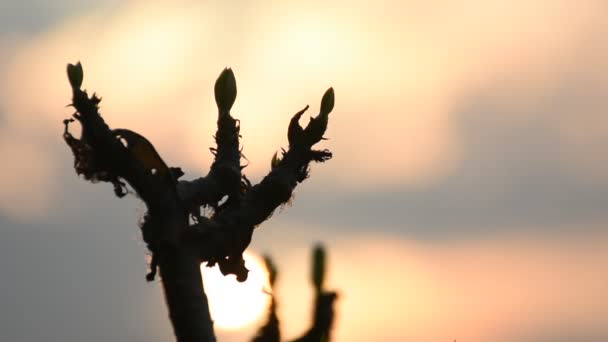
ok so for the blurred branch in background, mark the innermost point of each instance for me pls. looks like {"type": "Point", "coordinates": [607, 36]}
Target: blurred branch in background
{"type": "Point", "coordinates": [323, 314]}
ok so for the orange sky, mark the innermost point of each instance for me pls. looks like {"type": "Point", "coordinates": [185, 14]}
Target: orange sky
{"type": "Point", "coordinates": [468, 137]}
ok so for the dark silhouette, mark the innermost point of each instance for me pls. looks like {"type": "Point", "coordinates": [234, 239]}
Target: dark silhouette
{"type": "Point", "coordinates": [177, 235]}
{"type": "Point", "coordinates": [270, 331]}
{"type": "Point", "coordinates": [323, 312]}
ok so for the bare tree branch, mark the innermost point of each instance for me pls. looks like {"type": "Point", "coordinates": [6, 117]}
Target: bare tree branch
{"type": "Point", "coordinates": [323, 314]}
{"type": "Point", "coordinates": [120, 155]}
{"type": "Point", "coordinates": [270, 331]}
{"type": "Point", "coordinates": [112, 156]}
{"type": "Point", "coordinates": [224, 177]}
{"type": "Point", "coordinates": [238, 218]}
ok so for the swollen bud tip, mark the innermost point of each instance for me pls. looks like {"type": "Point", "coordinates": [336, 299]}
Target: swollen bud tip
{"type": "Point", "coordinates": [327, 103]}
{"type": "Point", "coordinates": [271, 268]}
{"type": "Point", "coordinates": [225, 90]}
{"type": "Point", "coordinates": [75, 75]}
{"type": "Point", "coordinates": [275, 160]}
{"type": "Point", "coordinates": [318, 266]}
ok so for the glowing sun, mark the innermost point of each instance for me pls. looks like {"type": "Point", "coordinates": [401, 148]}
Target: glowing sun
{"type": "Point", "coordinates": [233, 304]}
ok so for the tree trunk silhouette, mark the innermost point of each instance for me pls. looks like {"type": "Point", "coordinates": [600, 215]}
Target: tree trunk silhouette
{"type": "Point", "coordinates": [176, 234]}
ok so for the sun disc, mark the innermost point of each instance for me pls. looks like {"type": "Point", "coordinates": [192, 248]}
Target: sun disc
{"type": "Point", "coordinates": [232, 304]}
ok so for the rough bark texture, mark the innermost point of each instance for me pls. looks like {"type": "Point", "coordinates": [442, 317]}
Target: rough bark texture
{"type": "Point", "coordinates": [122, 157]}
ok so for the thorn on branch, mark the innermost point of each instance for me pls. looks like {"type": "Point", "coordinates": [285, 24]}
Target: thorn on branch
{"type": "Point", "coordinates": [275, 161]}
{"type": "Point", "coordinates": [294, 132]}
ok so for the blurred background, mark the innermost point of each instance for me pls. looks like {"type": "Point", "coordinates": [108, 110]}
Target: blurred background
{"type": "Point", "coordinates": [467, 198]}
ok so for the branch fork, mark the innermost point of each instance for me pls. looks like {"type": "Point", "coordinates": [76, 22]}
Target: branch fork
{"type": "Point", "coordinates": [123, 157]}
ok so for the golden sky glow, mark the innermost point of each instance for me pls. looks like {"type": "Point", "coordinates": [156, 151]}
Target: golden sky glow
{"type": "Point", "coordinates": [499, 289]}
{"type": "Point", "coordinates": [487, 115]}
{"type": "Point", "coordinates": [155, 65]}
{"type": "Point", "coordinates": [235, 305]}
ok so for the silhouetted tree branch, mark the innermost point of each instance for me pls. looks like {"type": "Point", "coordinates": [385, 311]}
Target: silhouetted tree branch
{"type": "Point", "coordinates": [270, 331]}
{"type": "Point", "coordinates": [121, 157]}
{"type": "Point", "coordinates": [323, 310]}
{"type": "Point", "coordinates": [323, 315]}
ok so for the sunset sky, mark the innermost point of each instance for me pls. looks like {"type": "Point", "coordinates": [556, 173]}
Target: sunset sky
{"type": "Point", "coordinates": [467, 199]}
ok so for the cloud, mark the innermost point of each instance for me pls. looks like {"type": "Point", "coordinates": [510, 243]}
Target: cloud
{"type": "Point", "coordinates": [485, 289]}
{"type": "Point", "coordinates": [30, 16]}
{"type": "Point", "coordinates": [91, 280]}
{"type": "Point", "coordinates": [449, 103]}
{"type": "Point", "coordinates": [26, 192]}
{"type": "Point", "coordinates": [475, 130]}
{"type": "Point", "coordinates": [529, 141]}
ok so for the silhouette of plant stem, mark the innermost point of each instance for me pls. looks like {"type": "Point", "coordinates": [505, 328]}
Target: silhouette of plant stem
{"type": "Point", "coordinates": [270, 331]}
{"type": "Point", "coordinates": [323, 315]}
{"type": "Point", "coordinates": [323, 312]}
{"type": "Point", "coordinates": [124, 158]}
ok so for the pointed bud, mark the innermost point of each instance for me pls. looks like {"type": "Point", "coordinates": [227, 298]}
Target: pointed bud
{"type": "Point", "coordinates": [316, 127]}
{"type": "Point", "coordinates": [275, 160]}
{"type": "Point", "coordinates": [327, 103]}
{"type": "Point", "coordinates": [318, 267]}
{"type": "Point", "coordinates": [75, 75]}
{"type": "Point", "coordinates": [225, 90]}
